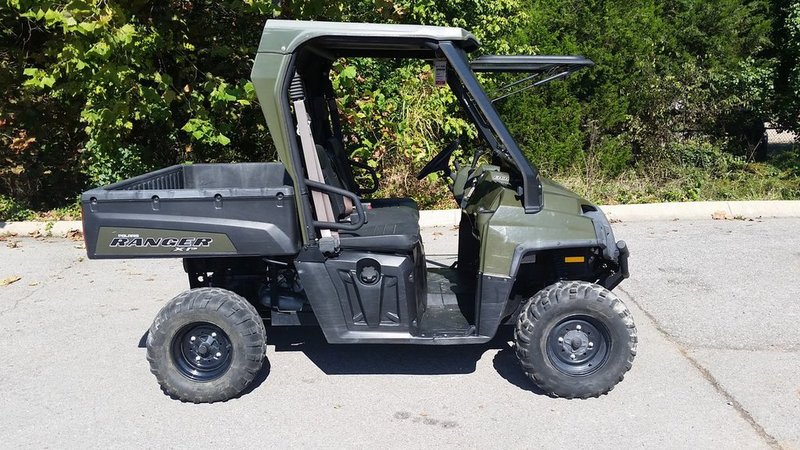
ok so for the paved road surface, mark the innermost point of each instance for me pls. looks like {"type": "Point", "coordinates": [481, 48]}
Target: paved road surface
{"type": "Point", "coordinates": [716, 303]}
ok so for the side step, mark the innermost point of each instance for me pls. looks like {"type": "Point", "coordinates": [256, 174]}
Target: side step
{"type": "Point", "coordinates": [293, 318]}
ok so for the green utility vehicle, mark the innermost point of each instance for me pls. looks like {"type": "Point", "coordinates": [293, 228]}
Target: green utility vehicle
{"type": "Point", "coordinates": [299, 242]}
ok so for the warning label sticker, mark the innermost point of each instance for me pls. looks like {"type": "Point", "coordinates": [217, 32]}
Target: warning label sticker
{"type": "Point", "coordinates": [440, 72]}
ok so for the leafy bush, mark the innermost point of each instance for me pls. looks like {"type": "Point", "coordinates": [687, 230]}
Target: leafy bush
{"type": "Point", "coordinates": [142, 85]}
{"type": "Point", "coordinates": [399, 124]}
{"type": "Point", "coordinates": [95, 91]}
{"type": "Point", "coordinates": [10, 210]}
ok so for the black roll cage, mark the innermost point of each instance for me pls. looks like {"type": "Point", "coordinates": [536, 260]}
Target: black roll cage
{"type": "Point", "coordinates": [478, 106]}
{"type": "Point", "coordinates": [542, 69]}
{"type": "Point", "coordinates": [507, 149]}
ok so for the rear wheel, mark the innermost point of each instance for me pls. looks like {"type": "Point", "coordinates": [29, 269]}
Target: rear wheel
{"type": "Point", "coordinates": [575, 339]}
{"type": "Point", "coordinates": [206, 345]}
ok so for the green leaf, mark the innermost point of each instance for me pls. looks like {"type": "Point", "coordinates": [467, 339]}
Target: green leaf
{"type": "Point", "coordinates": [250, 90]}
{"type": "Point", "coordinates": [348, 72]}
{"type": "Point", "coordinates": [87, 27]}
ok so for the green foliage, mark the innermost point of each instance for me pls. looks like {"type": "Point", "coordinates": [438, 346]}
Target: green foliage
{"type": "Point", "coordinates": [697, 171]}
{"type": "Point", "coordinates": [786, 64]}
{"type": "Point", "coordinates": [11, 210]}
{"type": "Point", "coordinates": [94, 91]}
{"type": "Point", "coordinates": [143, 85]}
{"type": "Point", "coordinates": [398, 124]}
{"type": "Point", "coordinates": [658, 79]}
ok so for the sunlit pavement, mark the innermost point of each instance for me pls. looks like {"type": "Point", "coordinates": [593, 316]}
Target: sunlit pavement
{"type": "Point", "coordinates": [716, 303]}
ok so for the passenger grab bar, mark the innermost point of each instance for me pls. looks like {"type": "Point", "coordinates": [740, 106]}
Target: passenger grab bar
{"type": "Point", "coordinates": [362, 216]}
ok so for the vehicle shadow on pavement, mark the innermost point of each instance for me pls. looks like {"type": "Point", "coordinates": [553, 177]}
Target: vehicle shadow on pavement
{"type": "Point", "coordinates": [391, 359]}
{"type": "Point", "coordinates": [260, 377]}
{"type": "Point", "coordinates": [399, 359]}
{"type": "Point", "coordinates": [507, 366]}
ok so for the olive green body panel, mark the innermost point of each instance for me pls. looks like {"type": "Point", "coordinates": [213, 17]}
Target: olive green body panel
{"type": "Point", "coordinates": [505, 230]}
{"type": "Point", "coordinates": [269, 77]}
{"type": "Point", "coordinates": [286, 36]}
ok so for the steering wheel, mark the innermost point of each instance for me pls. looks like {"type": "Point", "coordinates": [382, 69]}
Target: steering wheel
{"type": "Point", "coordinates": [440, 162]}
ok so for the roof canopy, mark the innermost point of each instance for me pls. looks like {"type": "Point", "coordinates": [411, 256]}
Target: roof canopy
{"type": "Point", "coordinates": [285, 36]}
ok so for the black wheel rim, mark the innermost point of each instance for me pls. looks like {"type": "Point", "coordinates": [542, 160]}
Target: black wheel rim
{"type": "Point", "coordinates": [578, 345]}
{"type": "Point", "coordinates": [202, 351]}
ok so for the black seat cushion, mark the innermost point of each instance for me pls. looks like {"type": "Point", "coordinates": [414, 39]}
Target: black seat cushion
{"type": "Point", "coordinates": [389, 202]}
{"type": "Point", "coordinates": [391, 228]}
{"type": "Point", "coordinates": [392, 224]}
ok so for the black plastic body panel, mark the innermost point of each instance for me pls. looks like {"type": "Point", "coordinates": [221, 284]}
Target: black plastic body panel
{"type": "Point", "coordinates": [385, 311]}
{"type": "Point", "coordinates": [376, 291]}
{"type": "Point", "coordinates": [494, 304]}
{"type": "Point", "coordinates": [200, 210]}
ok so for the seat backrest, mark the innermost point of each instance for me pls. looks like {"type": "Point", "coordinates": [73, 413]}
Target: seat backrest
{"type": "Point", "coordinates": [341, 163]}
{"type": "Point", "coordinates": [341, 205]}
{"type": "Point", "coordinates": [336, 155]}
{"type": "Point", "coordinates": [335, 140]}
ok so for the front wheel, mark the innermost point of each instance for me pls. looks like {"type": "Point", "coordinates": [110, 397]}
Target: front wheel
{"type": "Point", "coordinates": [575, 339]}
{"type": "Point", "coordinates": [206, 345]}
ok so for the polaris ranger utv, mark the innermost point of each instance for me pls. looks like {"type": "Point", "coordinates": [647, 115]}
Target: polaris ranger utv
{"type": "Point", "coordinates": [296, 242]}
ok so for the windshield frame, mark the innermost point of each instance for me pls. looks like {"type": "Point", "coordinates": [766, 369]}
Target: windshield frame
{"type": "Point", "coordinates": [506, 148]}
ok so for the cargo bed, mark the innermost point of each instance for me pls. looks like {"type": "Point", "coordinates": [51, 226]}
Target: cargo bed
{"type": "Point", "coordinates": [198, 210]}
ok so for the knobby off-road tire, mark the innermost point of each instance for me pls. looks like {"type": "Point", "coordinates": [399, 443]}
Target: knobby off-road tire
{"type": "Point", "coordinates": [575, 339]}
{"type": "Point", "coordinates": [206, 345]}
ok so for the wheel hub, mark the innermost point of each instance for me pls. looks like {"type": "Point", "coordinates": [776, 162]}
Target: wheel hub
{"type": "Point", "coordinates": [578, 345]}
{"type": "Point", "coordinates": [576, 341]}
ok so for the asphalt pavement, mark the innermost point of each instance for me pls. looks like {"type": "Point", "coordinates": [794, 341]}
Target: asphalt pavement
{"type": "Point", "coordinates": [716, 304]}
